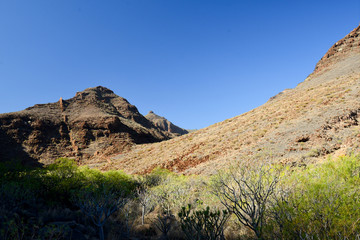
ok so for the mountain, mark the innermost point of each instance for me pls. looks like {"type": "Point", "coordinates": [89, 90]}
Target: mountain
{"type": "Point", "coordinates": [318, 118]}
{"type": "Point", "coordinates": [165, 124]}
{"type": "Point", "coordinates": [90, 126]}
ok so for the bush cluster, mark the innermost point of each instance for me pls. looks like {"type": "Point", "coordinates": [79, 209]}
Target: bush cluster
{"type": "Point", "coordinates": [64, 201]}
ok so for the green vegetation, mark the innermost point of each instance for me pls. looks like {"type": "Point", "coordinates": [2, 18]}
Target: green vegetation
{"type": "Point", "coordinates": [262, 201]}
{"type": "Point", "coordinates": [319, 202]}
{"type": "Point", "coordinates": [62, 185]}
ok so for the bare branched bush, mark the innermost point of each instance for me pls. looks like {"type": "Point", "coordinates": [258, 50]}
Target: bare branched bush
{"type": "Point", "coordinates": [99, 204]}
{"type": "Point", "coordinates": [204, 224]}
{"type": "Point", "coordinates": [163, 222]}
{"type": "Point", "coordinates": [245, 191]}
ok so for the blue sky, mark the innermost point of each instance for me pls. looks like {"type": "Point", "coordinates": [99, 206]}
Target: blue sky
{"type": "Point", "coordinates": [196, 62]}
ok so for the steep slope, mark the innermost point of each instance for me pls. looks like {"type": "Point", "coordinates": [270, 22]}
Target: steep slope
{"type": "Point", "coordinates": [318, 117]}
{"type": "Point", "coordinates": [90, 126]}
{"type": "Point", "coordinates": [165, 124]}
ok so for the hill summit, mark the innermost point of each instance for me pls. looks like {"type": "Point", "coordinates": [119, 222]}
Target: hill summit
{"type": "Point", "coordinates": [341, 49]}
{"type": "Point", "coordinates": [94, 124]}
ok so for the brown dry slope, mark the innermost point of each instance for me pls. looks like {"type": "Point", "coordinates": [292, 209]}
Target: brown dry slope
{"type": "Point", "coordinates": [88, 127]}
{"type": "Point", "coordinates": [317, 118]}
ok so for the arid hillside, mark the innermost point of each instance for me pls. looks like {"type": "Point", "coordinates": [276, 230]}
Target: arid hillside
{"type": "Point", "coordinates": [89, 127]}
{"type": "Point", "coordinates": [317, 118]}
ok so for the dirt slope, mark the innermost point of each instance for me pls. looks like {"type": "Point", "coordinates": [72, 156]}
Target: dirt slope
{"type": "Point", "coordinates": [317, 118]}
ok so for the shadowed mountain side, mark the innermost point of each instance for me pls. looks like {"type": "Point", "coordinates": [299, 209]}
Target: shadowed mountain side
{"type": "Point", "coordinates": [301, 125]}
{"type": "Point", "coordinates": [14, 152]}
{"type": "Point", "coordinates": [90, 126]}
{"type": "Point", "coordinates": [165, 124]}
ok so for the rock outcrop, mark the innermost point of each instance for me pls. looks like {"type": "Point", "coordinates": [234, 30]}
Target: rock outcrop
{"type": "Point", "coordinates": [350, 44]}
{"type": "Point", "coordinates": [93, 125]}
{"type": "Point", "coordinates": [165, 124]}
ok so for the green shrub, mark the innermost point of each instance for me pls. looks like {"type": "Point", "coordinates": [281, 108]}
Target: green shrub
{"type": "Point", "coordinates": [120, 181]}
{"type": "Point", "coordinates": [322, 203]}
{"type": "Point", "coordinates": [174, 192]}
{"type": "Point", "coordinates": [60, 179]}
{"type": "Point", "coordinates": [156, 177]}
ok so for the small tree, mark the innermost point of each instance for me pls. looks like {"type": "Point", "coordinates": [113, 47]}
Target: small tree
{"type": "Point", "coordinates": [99, 204]}
{"type": "Point", "coordinates": [245, 191]}
{"type": "Point", "coordinates": [144, 198]}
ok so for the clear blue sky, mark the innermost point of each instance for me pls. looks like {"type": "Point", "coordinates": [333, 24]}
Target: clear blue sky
{"type": "Point", "coordinates": [196, 62]}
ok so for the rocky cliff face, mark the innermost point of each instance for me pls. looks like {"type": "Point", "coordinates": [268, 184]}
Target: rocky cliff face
{"type": "Point", "coordinates": [165, 124]}
{"type": "Point", "coordinates": [92, 125]}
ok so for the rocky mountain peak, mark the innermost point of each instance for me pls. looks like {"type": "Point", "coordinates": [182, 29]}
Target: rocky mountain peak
{"type": "Point", "coordinates": [98, 93]}
{"type": "Point", "coordinates": [165, 124]}
{"type": "Point", "coordinates": [151, 116]}
{"type": "Point", "coordinates": [349, 45]}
